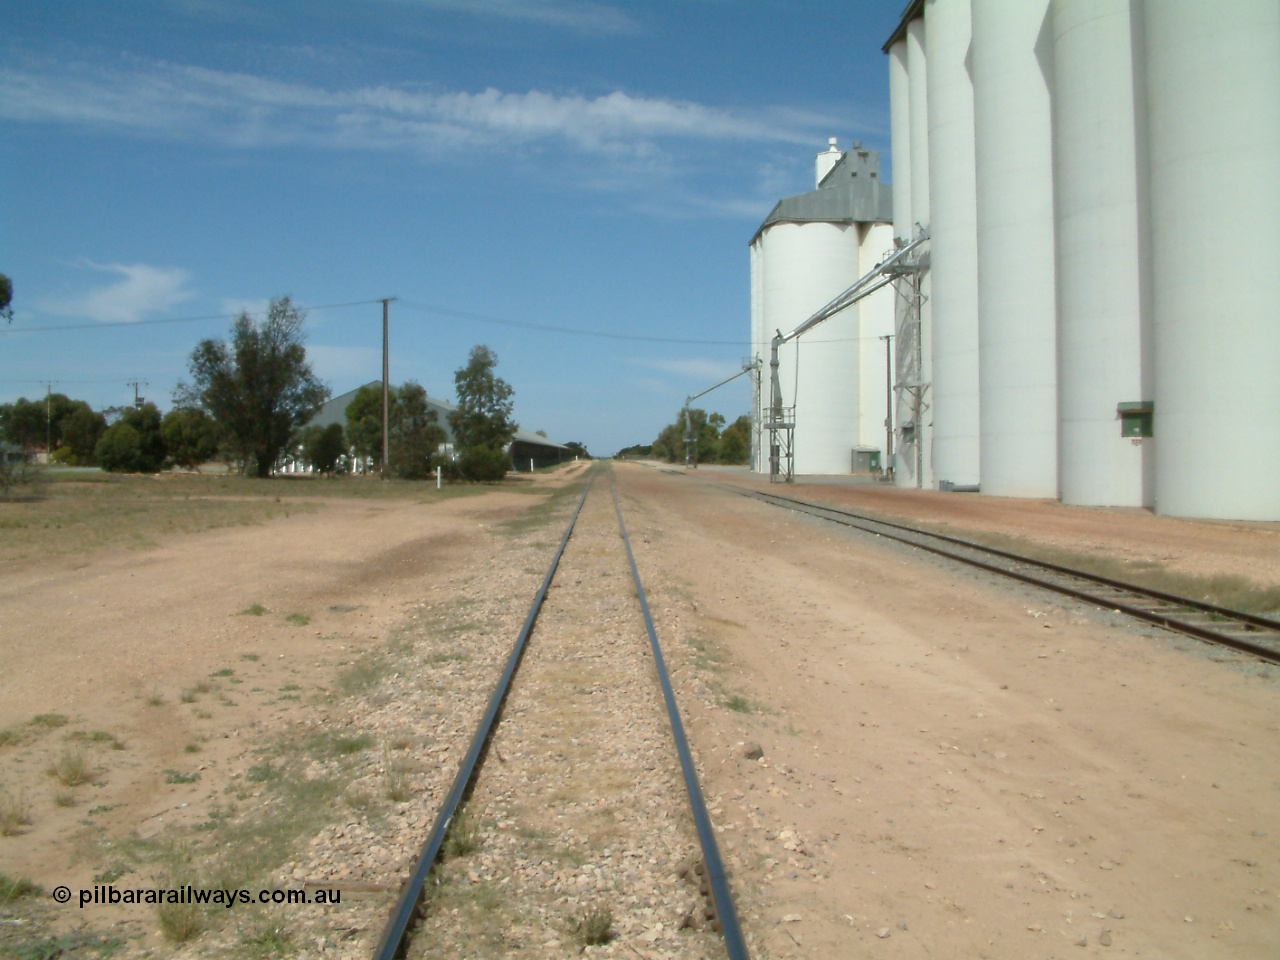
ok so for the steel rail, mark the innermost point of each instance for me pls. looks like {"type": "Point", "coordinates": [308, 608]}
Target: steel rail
{"type": "Point", "coordinates": [727, 914]}
{"type": "Point", "coordinates": [1167, 619]}
{"type": "Point", "coordinates": [392, 942]}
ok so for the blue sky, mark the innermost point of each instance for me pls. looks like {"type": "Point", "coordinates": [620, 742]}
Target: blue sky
{"type": "Point", "coordinates": [581, 164]}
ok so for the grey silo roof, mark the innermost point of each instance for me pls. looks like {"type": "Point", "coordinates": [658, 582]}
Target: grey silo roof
{"type": "Point", "coordinates": [851, 192]}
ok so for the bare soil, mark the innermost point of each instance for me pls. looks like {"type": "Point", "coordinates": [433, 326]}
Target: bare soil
{"type": "Point", "coordinates": [1198, 547]}
{"type": "Point", "coordinates": [952, 767]}
{"type": "Point", "coordinates": [176, 662]}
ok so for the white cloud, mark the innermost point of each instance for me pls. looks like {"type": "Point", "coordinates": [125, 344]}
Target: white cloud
{"type": "Point", "coordinates": [141, 291]}
{"type": "Point", "coordinates": [707, 370]}
{"type": "Point", "coordinates": [576, 15]}
{"type": "Point", "coordinates": [245, 110]}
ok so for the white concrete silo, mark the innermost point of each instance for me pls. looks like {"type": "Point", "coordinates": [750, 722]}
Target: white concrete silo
{"type": "Point", "coordinates": [1213, 102]}
{"type": "Point", "coordinates": [915, 467]}
{"type": "Point", "coordinates": [806, 265]}
{"type": "Point", "coordinates": [953, 248]}
{"type": "Point", "coordinates": [875, 320]}
{"type": "Point", "coordinates": [900, 131]}
{"type": "Point", "coordinates": [1018, 445]}
{"type": "Point", "coordinates": [1102, 270]}
{"type": "Point", "coordinates": [759, 349]}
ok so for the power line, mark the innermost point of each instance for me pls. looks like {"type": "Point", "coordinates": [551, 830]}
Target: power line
{"type": "Point", "coordinates": [144, 323]}
{"type": "Point", "coordinates": [77, 382]}
{"type": "Point", "coordinates": [580, 332]}
{"type": "Point", "coordinates": [570, 331]}
{"type": "Point", "coordinates": [420, 308]}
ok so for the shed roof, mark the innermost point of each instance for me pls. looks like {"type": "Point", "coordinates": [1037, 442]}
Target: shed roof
{"type": "Point", "coordinates": [335, 411]}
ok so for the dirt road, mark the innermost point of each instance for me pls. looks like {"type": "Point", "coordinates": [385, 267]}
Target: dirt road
{"type": "Point", "coordinates": [954, 767]}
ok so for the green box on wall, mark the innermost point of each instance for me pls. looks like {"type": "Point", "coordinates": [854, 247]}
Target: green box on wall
{"type": "Point", "coordinates": [1136, 418]}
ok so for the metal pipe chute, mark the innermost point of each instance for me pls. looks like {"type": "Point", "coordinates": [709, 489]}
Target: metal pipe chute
{"type": "Point", "coordinates": [781, 422]}
{"type": "Point", "coordinates": [690, 434]}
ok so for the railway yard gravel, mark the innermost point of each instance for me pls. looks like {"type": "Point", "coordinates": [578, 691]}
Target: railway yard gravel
{"type": "Point", "coordinates": [902, 759]}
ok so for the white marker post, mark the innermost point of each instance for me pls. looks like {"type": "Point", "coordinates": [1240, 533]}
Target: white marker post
{"type": "Point", "coordinates": [437, 478]}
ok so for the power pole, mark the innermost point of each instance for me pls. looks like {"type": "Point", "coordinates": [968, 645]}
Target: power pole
{"type": "Point", "coordinates": [386, 388]}
{"type": "Point", "coordinates": [137, 400]}
{"type": "Point", "coordinates": [887, 467]}
{"type": "Point", "coordinates": [48, 422]}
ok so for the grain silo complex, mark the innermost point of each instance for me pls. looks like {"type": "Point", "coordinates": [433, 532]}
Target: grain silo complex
{"type": "Point", "coordinates": [810, 248]}
{"type": "Point", "coordinates": [1095, 314]}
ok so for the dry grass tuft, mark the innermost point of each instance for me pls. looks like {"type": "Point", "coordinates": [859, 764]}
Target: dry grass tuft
{"type": "Point", "coordinates": [70, 769]}
{"type": "Point", "coordinates": [180, 922]}
{"type": "Point", "coordinates": [15, 812]}
{"type": "Point", "coordinates": [462, 837]}
{"type": "Point", "coordinates": [592, 926]}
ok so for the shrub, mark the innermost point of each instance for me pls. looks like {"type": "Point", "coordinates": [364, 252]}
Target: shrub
{"type": "Point", "coordinates": [484, 465]}
{"type": "Point", "coordinates": [16, 474]}
{"type": "Point", "coordinates": [133, 444]}
{"type": "Point", "coordinates": [190, 437]}
{"type": "Point", "coordinates": [448, 467]}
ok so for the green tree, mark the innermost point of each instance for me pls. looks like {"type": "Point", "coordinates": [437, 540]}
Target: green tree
{"type": "Point", "coordinates": [415, 432]}
{"type": "Point", "coordinates": [412, 424]}
{"type": "Point", "coordinates": [323, 447]}
{"type": "Point", "coordinates": [6, 298]}
{"type": "Point", "coordinates": [364, 421]}
{"type": "Point", "coordinates": [578, 449]}
{"type": "Point", "coordinates": [259, 387]}
{"type": "Point", "coordinates": [669, 445]}
{"type": "Point", "coordinates": [120, 449]}
{"type": "Point", "coordinates": [27, 423]}
{"type": "Point", "coordinates": [134, 443]}
{"type": "Point", "coordinates": [190, 437]}
{"type": "Point", "coordinates": [735, 442]}
{"type": "Point", "coordinates": [483, 418]}
{"type": "Point", "coordinates": [80, 431]}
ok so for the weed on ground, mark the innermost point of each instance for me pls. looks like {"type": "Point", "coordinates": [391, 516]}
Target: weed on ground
{"type": "Point", "coordinates": [15, 888]}
{"type": "Point", "coordinates": [592, 926]}
{"type": "Point", "coordinates": [15, 812]}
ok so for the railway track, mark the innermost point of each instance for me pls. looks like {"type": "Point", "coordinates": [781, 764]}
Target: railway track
{"type": "Point", "coordinates": [584, 674]}
{"type": "Point", "coordinates": [1246, 632]}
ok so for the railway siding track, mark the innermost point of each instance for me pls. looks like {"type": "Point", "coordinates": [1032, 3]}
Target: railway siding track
{"type": "Point", "coordinates": [567, 812]}
{"type": "Point", "coordinates": [1249, 633]}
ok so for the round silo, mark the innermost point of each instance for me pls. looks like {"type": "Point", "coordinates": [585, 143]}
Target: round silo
{"type": "Point", "coordinates": [918, 125]}
{"type": "Point", "coordinates": [805, 266]}
{"type": "Point", "coordinates": [918, 91]}
{"type": "Point", "coordinates": [875, 320]}
{"type": "Point", "coordinates": [1018, 445]}
{"type": "Point", "coordinates": [1213, 108]}
{"type": "Point", "coordinates": [900, 131]}
{"type": "Point", "coordinates": [1102, 322]}
{"type": "Point", "coordinates": [758, 348]}
{"type": "Point", "coordinates": [953, 272]}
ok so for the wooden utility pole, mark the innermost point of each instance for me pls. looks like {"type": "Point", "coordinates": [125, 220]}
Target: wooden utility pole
{"type": "Point", "coordinates": [48, 422]}
{"type": "Point", "coordinates": [386, 389]}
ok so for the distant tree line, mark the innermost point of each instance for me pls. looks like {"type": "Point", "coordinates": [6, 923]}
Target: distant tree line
{"type": "Point", "coordinates": [713, 442]}
{"type": "Point", "coordinates": [127, 439]}
{"type": "Point", "coordinates": [248, 403]}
